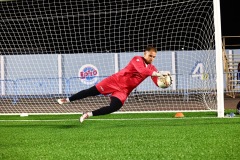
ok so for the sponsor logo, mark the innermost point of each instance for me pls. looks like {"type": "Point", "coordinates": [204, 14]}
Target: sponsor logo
{"type": "Point", "coordinates": [102, 88]}
{"type": "Point", "coordinates": [88, 74]}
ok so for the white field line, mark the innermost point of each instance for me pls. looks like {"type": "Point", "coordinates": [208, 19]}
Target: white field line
{"type": "Point", "coordinates": [115, 119]}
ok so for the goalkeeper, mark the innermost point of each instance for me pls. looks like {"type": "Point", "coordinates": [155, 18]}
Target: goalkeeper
{"type": "Point", "coordinates": [120, 84]}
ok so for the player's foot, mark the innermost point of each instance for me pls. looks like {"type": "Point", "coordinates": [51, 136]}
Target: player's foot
{"type": "Point", "coordinates": [83, 117]}
{"type": "Point", "coordinates": [62, 101]}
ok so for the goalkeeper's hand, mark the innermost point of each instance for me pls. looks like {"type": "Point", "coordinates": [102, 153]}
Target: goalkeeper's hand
{"type": "Point", "coordinates": [161, 73]}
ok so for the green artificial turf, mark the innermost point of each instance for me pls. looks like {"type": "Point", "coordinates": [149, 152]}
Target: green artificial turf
{"type": "Point", "coordinates": [150, 136]}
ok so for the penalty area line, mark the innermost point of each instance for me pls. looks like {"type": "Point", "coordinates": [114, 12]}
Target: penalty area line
{"type": "Point", "coordinates": [40, 120]}
{"type": "Point", "coordinates": [115, 119]}
{"type": "Point", "coordinates": [173, 118]}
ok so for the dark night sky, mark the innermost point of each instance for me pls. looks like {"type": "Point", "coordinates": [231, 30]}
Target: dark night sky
{"type": "Point", "coordinates": [124, 31]}
{"type": "Point", "coordinates": [230, 18]}
{"type": "Point", "coordinates": [230, 23]}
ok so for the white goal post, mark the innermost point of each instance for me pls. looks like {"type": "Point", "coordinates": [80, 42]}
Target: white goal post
{"type": "Point", "coordinates": [55, 49]}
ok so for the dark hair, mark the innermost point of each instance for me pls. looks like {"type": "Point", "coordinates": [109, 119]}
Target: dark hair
{"type": "Point", "coordinates": [150, 48]}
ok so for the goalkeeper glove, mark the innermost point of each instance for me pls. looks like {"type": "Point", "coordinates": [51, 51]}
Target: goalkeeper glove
{"type": "Point", "coordinates": [161, 73]}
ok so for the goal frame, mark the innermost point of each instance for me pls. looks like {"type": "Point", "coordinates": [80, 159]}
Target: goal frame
{"type": "Point", "coordinates": [219, 59]}
{"type": "Point", "coordinates": [219, 86]}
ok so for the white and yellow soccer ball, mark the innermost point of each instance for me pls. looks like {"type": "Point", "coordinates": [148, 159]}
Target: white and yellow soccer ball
{"type": "Point", "coordinates": [164, 81]}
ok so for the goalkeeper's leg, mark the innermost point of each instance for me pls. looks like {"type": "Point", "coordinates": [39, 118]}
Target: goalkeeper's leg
{"type": "Point", "coordinates": [115, 105]}
{"type": "Point", "coordinates": [80, 95]}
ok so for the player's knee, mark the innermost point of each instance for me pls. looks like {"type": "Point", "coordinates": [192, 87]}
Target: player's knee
{"type": "Point", "coordinates": [115, 104]}
{"type": "Point", "coordinates": [116, 107]}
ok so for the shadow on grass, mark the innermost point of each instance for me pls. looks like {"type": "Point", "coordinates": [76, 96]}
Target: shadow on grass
{"type": "Point", "coordinates": [162, 123]}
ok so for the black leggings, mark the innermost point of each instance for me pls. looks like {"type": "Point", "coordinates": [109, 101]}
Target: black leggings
{"type": "Point", "coordinates": [84, 93]}
{"type": "Point", "coordinates": [115, 103]}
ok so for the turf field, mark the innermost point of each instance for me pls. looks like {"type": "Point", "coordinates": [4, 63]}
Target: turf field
{"type": "Point", "coordinates": [120, 136]}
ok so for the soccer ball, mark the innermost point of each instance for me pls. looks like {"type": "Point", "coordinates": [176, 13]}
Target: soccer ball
{"type": "Point", "coordinates": [165, 81]}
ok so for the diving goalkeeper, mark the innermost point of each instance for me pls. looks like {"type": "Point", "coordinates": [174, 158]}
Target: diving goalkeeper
{"type": "Point", "coordinates": [120, 84]}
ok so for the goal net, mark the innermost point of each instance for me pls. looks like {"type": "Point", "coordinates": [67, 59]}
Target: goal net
{"type": "Point", "coordinates": [53, 49]}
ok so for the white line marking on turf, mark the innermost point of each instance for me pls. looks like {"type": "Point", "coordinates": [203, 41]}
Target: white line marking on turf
{"type": "Point", "coordinates": [122, 119]}
{"type": "Point", "coordinates": [40, 120]}
{"type": "Point", "coordinates": [115, 119]}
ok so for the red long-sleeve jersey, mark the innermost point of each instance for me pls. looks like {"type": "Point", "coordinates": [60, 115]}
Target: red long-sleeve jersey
{"type": "Point", "coordinates": [134, 73]}
{"type": "Point", "coordinates": [123, 82]}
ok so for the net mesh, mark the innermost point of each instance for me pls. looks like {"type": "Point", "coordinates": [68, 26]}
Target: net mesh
{"type": "Point", "coordinates": [50, 49]}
